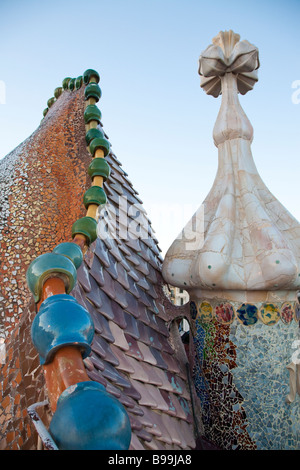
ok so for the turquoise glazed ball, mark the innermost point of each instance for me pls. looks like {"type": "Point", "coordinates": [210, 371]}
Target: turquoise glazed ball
{"type": "Point", "coordinates": [89, 418]}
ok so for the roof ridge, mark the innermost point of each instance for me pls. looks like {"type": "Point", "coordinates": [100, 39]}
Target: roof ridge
{"type": "Point", "coordinates": [51, 277]}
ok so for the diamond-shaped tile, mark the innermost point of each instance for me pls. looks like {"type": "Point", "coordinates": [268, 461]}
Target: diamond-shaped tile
{"type": "Point", "coordinates": [124, 363]}
{"type": "Point", "coordinates": [101, 252]}
{"type": "Point", "coordinates": [97, 271]}
{"type": "Point", "coordinates": [118, 334]}
{"type": "Point", "coordinates": [132, 327]}
{"type": "Point", "coordinates": [83, 277]}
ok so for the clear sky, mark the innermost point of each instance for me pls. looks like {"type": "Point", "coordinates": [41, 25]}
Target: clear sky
{"type": "Point", "coordinates": [158, 119]}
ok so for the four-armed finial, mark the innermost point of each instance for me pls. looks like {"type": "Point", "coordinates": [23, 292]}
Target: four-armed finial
{"type": "Point", "coordinates": [228, 54]}
{"type": "Point", "coordinates": [244, 240]}
{"type": "Point", "coordinates": [228, 67]}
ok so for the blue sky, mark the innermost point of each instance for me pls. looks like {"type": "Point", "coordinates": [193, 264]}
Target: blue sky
{"type": "Point", "coordinates": [157, 117]}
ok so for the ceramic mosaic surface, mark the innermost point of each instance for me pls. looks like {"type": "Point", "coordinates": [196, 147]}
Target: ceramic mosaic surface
{"type": "Point", "coordinates": [262, 378]}
{"type": "Point", "coordinates": [223, 414]}
{"type": "Point", "coordinates": [242, 379]}
{"type": "Point", "coordinates": [224, 312]}
{"type": "Point", "coordinates": [288, 312]}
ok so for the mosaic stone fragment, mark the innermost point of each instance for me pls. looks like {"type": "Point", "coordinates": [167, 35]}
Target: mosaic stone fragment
{"type": "Point", "coordinates": [224, 313]}
{"type": "Point", "coordinates": [205, 312]}
{"type": "Point", "coordinates": [269, 313]}
{"type": "Point", "coordinates": [247, 314]}
{"type": "Point", "coordinates": [287, 312]}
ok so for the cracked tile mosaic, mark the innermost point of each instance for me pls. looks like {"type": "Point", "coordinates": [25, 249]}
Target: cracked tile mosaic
{"type": "Point", "coordinates": [235, 365]}
{"type": "Point", "coordinates": [273, 423]}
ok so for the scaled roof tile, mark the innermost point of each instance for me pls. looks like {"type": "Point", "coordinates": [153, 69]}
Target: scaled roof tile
{"type": "Point", "coordinates": [147, 354]}
{"type": "Point", "coordinates": [143, 434]}
{"type": "Point", "coordinates": [122, 276]}
{"type": "Point", "coordinates": [84, 277]}
{"type": "Point", "coordinates": [113, 390]}
{"type": "Point", "coordinates": [135, 443]}
{"type": "Point", "coordinates": [133, 393]}
{"type": "Point", "coordinates": [130, 403]}
{"type": "Point", "coordinates": [120, 339]}
{"type": "Point", "coordinates": [102, 326]}
{"type": "Point", "coordinates": [120, 284]}
{"type": "Point", "coordinates": [139, 371]}
{"type": "Point", "coordinates": [174, 406]}
{"type": "Point", "coordinates": [132, 325]}
{"type": "Point", "coordinates": [159, 429]}
{"type": "Point", "coordinates": [172, 430]}
{"type": "Point", "coordinates": [124, 361]}
{"type": "Point", "coordinates": [154, 445]}
{"type": "Point", "coordinates": [136, 425]}
{"type": "Point", "coordinates": [132, 285]}
{"type": "Point", "coordinates": [102, 348]}
{"type": "Point", "coordinates": [95, 376]}
{"type": "Point", "coordinates": [103, 302]}
{"type": "Point", "coordinates": [134, 348]}
{"type": "Point", "coordinates": [158, 358]}
{"type": "Point", "coordinates": [171, 362]}
{"type": "Point", "coordinates": [147, 398]}
{"type": "Point", "coordinates": [111, 373]}
{"type": "Point", "coordinates": [101, 252]}
{"type": "Point", "coordinates": [118, 314]}
{"type": "Point", "coordinates": [160, 402]}
{"type": "Point", "coordinates": [153, 375]}
{"type": "Point", "coordinates": [186, 409]}
{"type": "Point", "coordinates": [146, 418]}
{"type": "Point", "coordinates": [96, 271]}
